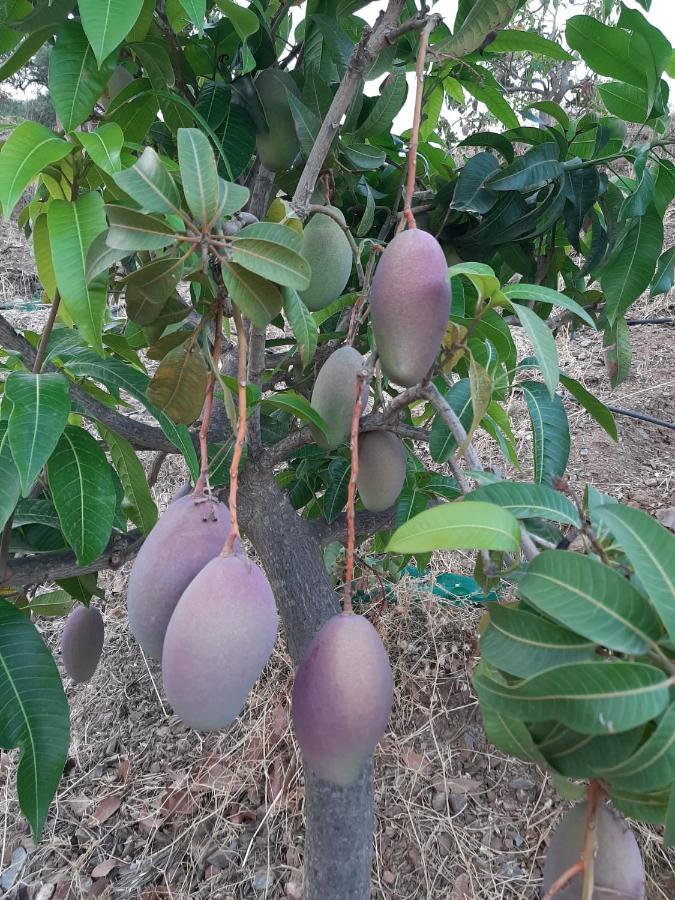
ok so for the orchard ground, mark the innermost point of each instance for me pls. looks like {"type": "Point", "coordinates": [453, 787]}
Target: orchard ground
{"type": "Point", "coordinates": [151, 810]}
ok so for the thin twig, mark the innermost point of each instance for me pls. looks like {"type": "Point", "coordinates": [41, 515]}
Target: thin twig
{"type": "Point", "coordinates": [208, 405]}
{"type": "Point", "coordinates": [156, 467]}
{"type": "Point", "coordinates": [241, 432]}
{"type": "Point", "coordinates": [44, 339]}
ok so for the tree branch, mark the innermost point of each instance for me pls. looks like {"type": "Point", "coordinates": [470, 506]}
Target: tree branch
{"type": "Point", "coordinates": [372, 43]}
{"type": "Point", "coordinates": [366, 523]}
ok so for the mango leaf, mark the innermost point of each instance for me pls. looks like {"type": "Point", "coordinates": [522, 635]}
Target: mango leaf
{"type": "Point", "coordinates": [481, 276]}
{"type": "Point", "coordinates": [132, 230]}
{"type": "Point", "coordinates": [231, 197]}
{"type": "Point", "coordinates": [213, 102]}
{"type": "Point", "coordinates": [663, 278]}
{"type": "Point", "coordinates": [195, 10]}
{"type": "Point", "coordinates": [258, 299]}
{"type": "Point", "coordinates": [199, 174]}
{"type": "Point", "coordinates": [509, 735]}
{"type": "Point", "coordinates": [625, 101]}
{"type": "Point", "coordinates": [104, 146]}
{"type": "Point", "coordinates": [524, 644]}
{"type": "Point", "coordinates": [554, 110]}
{"type": "Point", "coordinates": [134, 109]}
{"type": "Point", "coordinates": [589, 697]}
{"type": "Point", "coordinates": [541, 294]}
{"type": "Point", "coordinates": [148, 288]}
{"type": "Point", "coordinates": [528, 501]}
{"type": "Point", "coordinates": [237, 139]}
{"type": "Point", "coordinates": [480, 386]}
{"type": "Point", "coordinates": [272, 261]}
{"type": "Point", "coordinates": [442, 443]}
{"type": "Point", "coordinates": [36, 511]}
{"type": "Point", "coordinates": [24, 52]}
{"type": "Point", "coordinates": [302, 324]}
{"type": "Point", "coordinates": [100, 257]}
{"type": "Point", "coordinates": [606, 49]}
{"type": "Point", "coordinates": [362, 157]}
{"type": "Point", "coordinates": [594, 407]}
{"type": "Point", "coordinates": [616, 344]}
{"type": "Point", "coordinates": [75, 80]}
{"type": "Point", "coordinates": [106, 23]}
{"type": "Point", "coordinates": [42, 251]}
{"type": "Point", "coordinates": [591, 599]}
{"type": "Point", "coordinates": [630, 267]}
{"type": "Point", "coordinates": [244, 20]}
{"type": "Point", "coordinates": [142, 509]}
{"type": "Point", "coordinates": [652, 807]}
{"type": "Point", "coordinates": [455, 526]}
{"type": "Point", "coordinates": [550, 431]}
{"type": "Point", "coordinates": [10, 483]}
{"type": "Point", "coordinates": [73, 226]}
{"type": "Point", "coordinates": [543, 344]}
{"type": "Point", "coordinates": [412, 500]}
{"type": "Point", "coordinates": [386, 107]}
{"type": "Point", "coordinates": [295, 404]}
{"type": "Point", "coordinates": [335, 498]}
{"type": "Point", "coordinates": [52, 603]}
{"type": "Point", "coordinates": [35, 720]}
{"type": "Point", "coordinates": [488, 92]}
{"type": "Point", "coordinates": [651, 550]}
{"type": "Point", "coordinates": [528, 172]}
{"type": "Point", "coordinates": [653, 765]}
{"type": "Point", "coordinates": [508, 41]}
{"type": "Point", "coordinates": [29, 149]}
{"type": "Point", "coordinates": [150, 185]}
{"type": "Point", "coordinates": [40, 405]}
{"type": "Point", "coordinates": [307, 123]}
{"type": "Point", "coordinates": [178, 387]}
{"type": "Point", "coordinates": [43, 15]}
{"type": "Point", "coordinates": [470, 195]}
{"type": "Point", "coordinates": [484, 17]}
{"type": "Point", "coordinates": [83, 490]}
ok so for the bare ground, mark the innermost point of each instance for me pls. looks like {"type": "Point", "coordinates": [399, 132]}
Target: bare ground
{"type": "Point", "coordinates": [151, 810]}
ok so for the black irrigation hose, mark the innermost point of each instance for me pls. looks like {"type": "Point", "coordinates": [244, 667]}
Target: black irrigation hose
{"type": "Point", "coordinates": [641, 416]}
{"type": "Point", "coordinates": [668, 320]}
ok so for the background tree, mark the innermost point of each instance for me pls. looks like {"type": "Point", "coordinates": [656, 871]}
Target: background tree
{"type": "Point", "coordinates": [200, 144]}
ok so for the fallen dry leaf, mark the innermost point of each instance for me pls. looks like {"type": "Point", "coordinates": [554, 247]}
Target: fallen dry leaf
{"type": "Point", "coordinates": [107, 808]}
{"type": "Point", "coordinates": [104, 868]}
{"type": "Point", "coordinates": [461, 888]}
{"type": "Point", "coordinates": [416, 761]}
{"type": "Point", "coordinates": [178, 802]}
{"type": "Point", "coordinates": [124, 770]}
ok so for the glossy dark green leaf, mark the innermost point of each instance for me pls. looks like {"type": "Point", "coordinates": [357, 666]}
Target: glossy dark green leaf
{"type": "Point", "coordinates": [302, 324]}
{"type": "Point", "coordinates": [40, 405]}
{"type": "Point", "coordinates": [594, 407]}
{"type": "Point", "coordinates": [528, 501]}
{"type": "Point", "coordinates": [35, 713]}
{"type": "Point", "coordinates": [10, 483]}
{"type": "Point", "coordinates": [663, 278]}
{"type": "Point", "coordinates": [625, 101]}
{"type": "Point", "coordinates": [132, 230]}
{"type": "Point", "coordinates": [106, 23]}
{"type": "Point", "coordinates": [470, 195]}
{"type": "Point", "coordinates": [508, 41]}
{"type": "Point", "coordinates": [532, 170]}
{"type": "Point", "coordinates": [295, 404]}
{"type": "Point", "coordinates": [271, 260]}
{"type": "Point", "coordinates": [442, 443]}
{"type": "Point", "coordinates": [386, 107]}
{"type": "Point", "coordinates": [142, 509]}
{"type": "Point", "coordinates": [653, 765]}
{"type": "Point", "coordinates": [484, 17]}
{"type": "Point", "coordinates": [258, 299]}
{"type": "Point", "coordinates": [29, 149]}
{"type": "Point", "coordinates": [630, 267]}
{"type": "Point", "coordinates": [337, 486]}
{"type": "Point", "coordinates": [199, 174]}
{"type": "Point", "coordinates": [550, 431]}
{"type": "Point", "coordinates": [150, 185]}
{"type": "Point", "coordinates": [543, 343]}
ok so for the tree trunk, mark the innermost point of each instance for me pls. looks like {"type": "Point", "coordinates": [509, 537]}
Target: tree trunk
{"type": "Point", "coordinates": [339, 821]}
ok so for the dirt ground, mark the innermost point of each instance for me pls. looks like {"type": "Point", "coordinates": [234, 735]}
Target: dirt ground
{"type": "Point", "coordinates": [151, 810]}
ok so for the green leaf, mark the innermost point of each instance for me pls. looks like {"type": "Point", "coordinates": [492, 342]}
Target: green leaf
{"type": "Point", "coordinates": [271, 260]}
{"type": "Point", "coordinates": [148, 289]}
{"type": "Point", "coordinates": [527, 42]}
{"type": "Point", "coordinates": [481, 276]}
{"type": "Point", "coordinates": [554, 110]}
{"type": "Point", "coordinates": [484, 17]}
{"type": "Point", "coordinates": [150, 185]}
{"type": "Point", "coordinates": [258, 299]}
{"type": "Point", "coordinates": [196, 12]}
{"type": "Point", "coordinates": [490, 95]}
{"type": "Point", "coordinates": [528, 501]}
{"type": "Point", "coordinates": [36, 512]}
{"type": "Point", "coordinates": [104, 146]}
{"type": "Point", "coordinates": [142, 509]}
{"type": "Point", "coordinates": [664, 276]}
{"type": "Point", "coordinates": [34, 713]}
{"type": "Point", "coordinates": [42, 251]}
{"type": "Point", "coordinates": [39, 412]}
{"type": "Point", "coordinates": [362, 157]}
{"type": "Point", "coordinates": [307, 123]}
{"type": "Point", "coordinates": [541, 294]}
{"type": "Point", "coordinates": [75, 81]}
{"type": "Point", "coordinates": [386, 107]}
{"type": "Point", "coordinates": [524, 644]}
{"type": "Point", "coordinates": [669, 822]}
{"type": "Point", "coordinates": [653, 765]}
{"type": "Point", "coordinates": [442, 443]}
{"type": "Point", "coordinates": [591, 599]}
{"type": "Point", "coordinates": [458, 526]}
{"type": "Point", "coordinates": [470, 195]}
{"type": "Point", "coordinates": [100, 257]}
{"type": "Point", "coordinates": [178, 386]}
{"type": "Point", "coordinates": [594, 407]}
{"type": "Point", "coordinates": [625, 101]}
{"type": "Point", "coordinates": [630, 267]}
{"type": "Point", "coordinates": [616, 344]}
{"type": "Point", "coordinates": [543, 344]}
{"type": "Point", "coordinates": [335, 498]}
{"type": "Point", "coordinates": [509, 735]}
{"type": "Point", "coordinates": [590, 697]}
{"type": "Point", "coordinates": [52, 603]}
{"type": "Point", "coordinates": [645, 807]}
{"type": "Point", "coordinates": [412, 500]}
{"type": "Point", "coordinates": [199, 174]}
{"type": "Point", "coordinates": [550, 430]}
{"type": "Point", "coordinates": [244, 20]}
{"type": "Point", "coordinates": [528, 172]}
{"type": "Point", "coordinates": [302, 325]}
{"type": "Point", "coordinates": [83, 491]}
{"type": "Point", "coordinates": [232, 197]}
{"type": "Point", "coordinates": [73, 226]}
{"type": "Point", "coordinates": [651, 550]}
{"type": "Point", "coordinates": [132, 230]}
{"type": "Point", "coordinates": [295, 404]}
{"type": "Point", "coordinates": [10, 482]}
{"type": "Point", "coordinates": [29, 149]}
{"type": "Point", "coordinates": [607, 50]}
{"type": "Point", "coordinates": [106, 23]}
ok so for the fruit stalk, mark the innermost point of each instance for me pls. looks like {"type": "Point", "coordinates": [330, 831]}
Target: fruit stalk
{"type": "Point", "coordinates": [408, 217]}
{"type": "Point", "coordinates": [241, 431]}
{"type": "Point", "coordinates": [208, 404]}
{"type": "Point", "coordinates": [586, 862]}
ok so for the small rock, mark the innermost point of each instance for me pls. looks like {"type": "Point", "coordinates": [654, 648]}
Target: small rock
{"type": "Point", "coordinates": [458, 802]}
{"type": "Point", "coordinates": [444, 843]}
{"type": "Point", "coordinates": [439, 801]}
{"type": "Point", "coordinates": [522, 784]}
{"type": "Point", "coordinates": [45, 892]}
{"type": "Point", "coordinates": [12, 872]}
{"type": "Point", "coordinates": [263, 880]}
{"type": "Point", "coordinates": [388, 877]}
{"type": "Point", "coordinates": [294, 890]}
{"type": "Point", "coordinates": [222, 858]}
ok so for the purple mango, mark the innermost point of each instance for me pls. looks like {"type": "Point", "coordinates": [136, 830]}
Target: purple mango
{"type": "Point", "coordinates": [82, 642]}
{"type": "Point", "coordinates": [382, 459]}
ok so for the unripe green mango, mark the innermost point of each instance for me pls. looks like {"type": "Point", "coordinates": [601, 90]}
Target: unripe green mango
{"type": "Point", "coordinates": [381, 476]}
{"type": "Point", "coordinates": [219, 639]}
{"type": "Point", "coordinates": [410, 305]}
{"type": "Point", "coordinates": [334, 395]}
{"type": "Point", "coordinates": [619, 872]}
{"type": "Point", "coordinates": [187, 536]}
{"type": "Point", "coordinates": [342, 698]}
{"type": "Point", "coordinates": [279, 146]}
{"type": "Point", "coordinates": [82, 642]}
{"type": "Point", "coordinates": [326, 248]}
